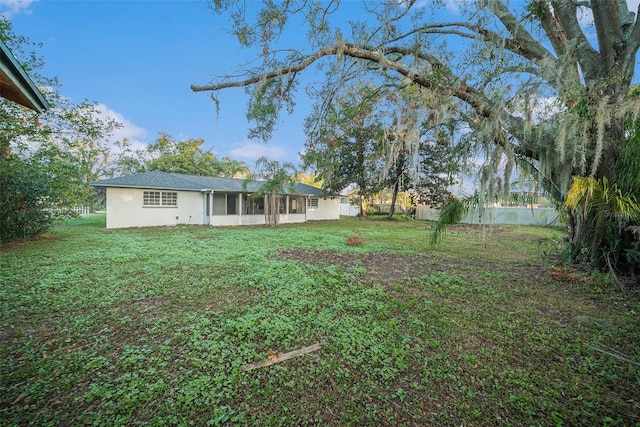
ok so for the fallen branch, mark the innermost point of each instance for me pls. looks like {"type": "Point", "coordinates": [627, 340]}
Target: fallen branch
{"type": "Point", "coordinates": [615, 355]}
{"type": "Point", "coordinates": [281, 357]}
{"type": "Point", "coordinates": [563, 276]}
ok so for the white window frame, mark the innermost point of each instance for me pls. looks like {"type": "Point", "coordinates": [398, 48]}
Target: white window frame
{"type": "Point", "coordinates": [312, 202]}
{"type": "Point", "coordinates": [160, 199]}
{"type": "Point", "coordinates": [169, 198]}
{"type": "Point", "coordinates": [151, 198]}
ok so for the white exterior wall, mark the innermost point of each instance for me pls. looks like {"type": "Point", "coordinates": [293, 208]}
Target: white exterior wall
{"type": "Point", "coordinates": [327, 209]}
{"type": "Point", "coordinates": [222, 220]}
{"type": "Point", "coordinates": [252, 219]}
{"type": "Point", "coordinates": [291, 218]}
{"type": "Point", "coordinates": [124, 209]}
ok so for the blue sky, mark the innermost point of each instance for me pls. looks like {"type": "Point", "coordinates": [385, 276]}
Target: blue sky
{"type": "Point", "coordinates": [137, 59]}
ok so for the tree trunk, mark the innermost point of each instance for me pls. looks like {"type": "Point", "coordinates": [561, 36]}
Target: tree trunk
{"type": "Point", "coordinates": [5, 151]}
{"type": "Point", "coordinates": [587, 231]}
{"type": "Point", "coordinates": [577, 233]}
{"type": "Point", "coordinates": [394, 196]}
{"type": "Point", "coordinates": [587, 237]}
{"type": "Point", "coordinates": [363, 210]}
{"type": "Point", "coordinates": [271, 210]}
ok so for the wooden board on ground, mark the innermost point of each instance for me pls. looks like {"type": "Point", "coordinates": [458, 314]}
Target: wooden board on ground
{"type": "Point", "coordinates": [281, 357]}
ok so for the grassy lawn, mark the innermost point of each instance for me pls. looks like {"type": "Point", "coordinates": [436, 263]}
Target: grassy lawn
{"type": "Point", "coordinates": [153, 326]}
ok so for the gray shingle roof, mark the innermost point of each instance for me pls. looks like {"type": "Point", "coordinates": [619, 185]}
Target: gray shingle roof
{"type": "Point", "coordinates": [178, 181]}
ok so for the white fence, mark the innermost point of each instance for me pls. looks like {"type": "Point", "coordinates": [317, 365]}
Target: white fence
{"type": "Point", "coordinates": [82, 211]}
{"type": "Point", "coordinates": [349, 210]}
{"type": "Point", "coordinates": [499, 215]}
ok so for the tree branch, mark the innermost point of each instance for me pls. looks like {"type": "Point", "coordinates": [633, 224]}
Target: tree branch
{"type": "Point", "coordinates": [521, 36]}
{"type": "Point", "coordinates": [524, 45]}
{"type": "Point", "coordinates": [333, 50]}
{"type": "Point", "coordinates": [607, 30]}
{"type": "Point", "coordinates": [527, 47]}
{"type": "Point", "coordinates": [444, 80]}
{"type": "Point", "coordinates": [632, 44]}
{"type": "Point", "coordinates": [565, 26]}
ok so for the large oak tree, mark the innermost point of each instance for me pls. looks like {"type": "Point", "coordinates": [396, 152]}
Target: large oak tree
{"type": "Point", "coordinates": [542, 84]}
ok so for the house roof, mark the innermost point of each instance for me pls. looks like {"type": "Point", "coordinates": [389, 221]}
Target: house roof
{"type": "Point", "coordinates": [16, 85]}
{"type": "Point", "coordinates": [178, 181]}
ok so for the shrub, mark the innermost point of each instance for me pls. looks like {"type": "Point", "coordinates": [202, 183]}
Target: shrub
{"type": "Point", "coordinates": [23, 195]}
{"type": "Point", "coordinates": [36, 190]}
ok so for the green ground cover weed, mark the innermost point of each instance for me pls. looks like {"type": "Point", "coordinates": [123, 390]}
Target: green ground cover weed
{"type": "Point", "coordinates": [154, 326]}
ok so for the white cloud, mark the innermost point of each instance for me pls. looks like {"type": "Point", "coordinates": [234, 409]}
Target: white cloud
{"type": "Point", "coordinates": [253, 151]}
{"type": "Point", "coordinates": [11, 8]}
{"type": "Point", "coordinates": [452, 6]}
{"type": "Point", "coordinates": [135, 135]}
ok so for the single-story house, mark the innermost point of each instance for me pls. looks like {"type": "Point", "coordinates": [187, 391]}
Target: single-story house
{"type": "Point", "coordinates": [160, 198]}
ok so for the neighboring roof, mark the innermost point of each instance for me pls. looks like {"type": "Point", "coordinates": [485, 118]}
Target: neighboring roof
{"type": "Point", "coordinates": [350, 191]}
{"type": "Point", "coordinates": [178, 181]}
{"type": "Point", "coordinates": [16, 85]}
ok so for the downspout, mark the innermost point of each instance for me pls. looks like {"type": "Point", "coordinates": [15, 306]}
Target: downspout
{"type": "Point", "coordinates": [210, 205]}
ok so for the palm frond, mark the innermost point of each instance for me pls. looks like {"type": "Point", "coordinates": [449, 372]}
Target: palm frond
{"type": "Point", "coordinates": [599, 197]}
{"type": "Point", "coordinates": [449, 215]}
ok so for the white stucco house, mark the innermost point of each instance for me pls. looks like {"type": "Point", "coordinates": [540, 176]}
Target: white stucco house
{"type": "Point", "coordinates": [160, 198]}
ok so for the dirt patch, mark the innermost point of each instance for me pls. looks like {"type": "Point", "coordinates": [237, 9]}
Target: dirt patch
{"type": "Point", "coordinates": [551, 283]}
{"type": "Point", "coordinates": [388, 269]}
{"type": "Point", "coordinates": [383, 268]}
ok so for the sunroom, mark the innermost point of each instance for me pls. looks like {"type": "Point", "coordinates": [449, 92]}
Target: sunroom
{"type": "Point", "coordinates": [230, 208]}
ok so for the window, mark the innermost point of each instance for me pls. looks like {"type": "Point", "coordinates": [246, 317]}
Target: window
{"type": "Point", "coordinates": [169, 198]}
{"type": "Point", "coordinates": [232, 204]}
{"type": "Point", "coordinates": [312, 202]}
{"type": "Point", "coordinates": [296, 205]}
{"type": "Point", "coordinates": [159, 198]}
{"type": "Point", "coordinates": [225, 204]}
{"type": "Point", "coordinates": [151, 198]}
{"type": "Point", "coordinates": [219, 203]}
{"type": "Point", "coordinates": [253, 205]}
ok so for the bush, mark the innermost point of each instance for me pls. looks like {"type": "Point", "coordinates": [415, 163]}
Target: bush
{"type": "Point", "coordinates": [24, 192]}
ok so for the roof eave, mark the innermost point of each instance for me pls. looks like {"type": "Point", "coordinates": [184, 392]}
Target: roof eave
{"type": "Point", "coordinates": [144, 187]}
{"type": "Point", "coordinates": [17, 86]}
{"type": "Point", "coordinates": [200, 190]}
